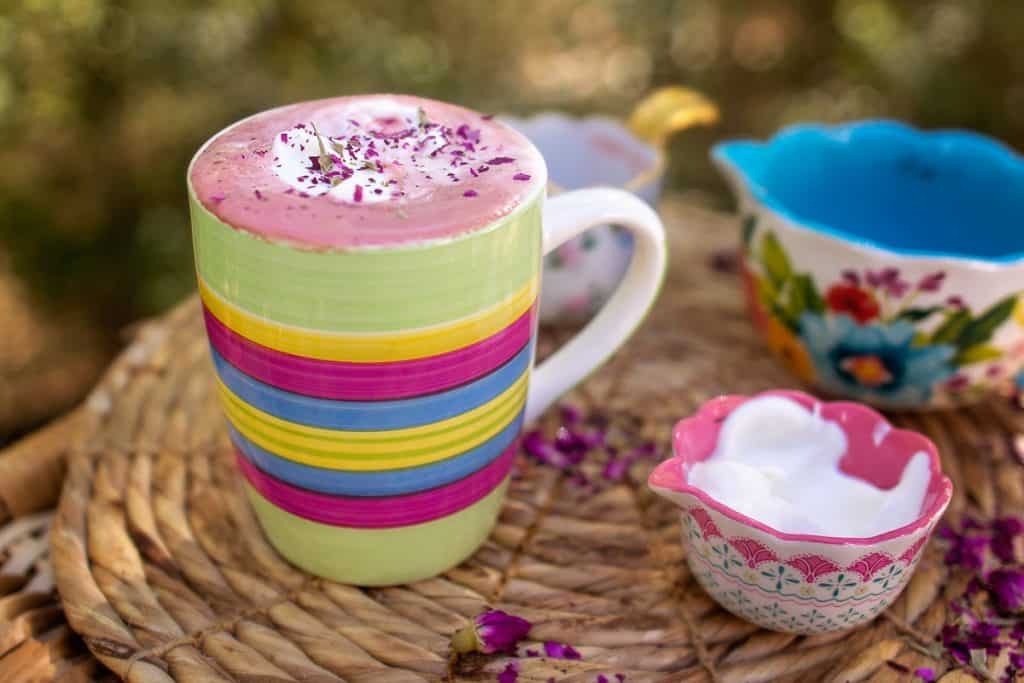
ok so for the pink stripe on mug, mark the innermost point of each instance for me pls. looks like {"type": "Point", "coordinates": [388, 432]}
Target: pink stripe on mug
{"type": "Point", "coordinates": [384, 512]}
{"type": "Point", "coordinates": [344, 381]}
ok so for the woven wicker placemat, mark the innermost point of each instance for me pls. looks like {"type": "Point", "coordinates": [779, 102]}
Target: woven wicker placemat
{"type": "Point", "coordinates": [163, 570]}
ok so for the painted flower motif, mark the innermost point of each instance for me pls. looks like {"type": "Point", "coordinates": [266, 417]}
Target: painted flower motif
{"type": "Point", "coordinates": [855, 302]}
{"type": "Point", "coordinates": [876, 362]}
{"type": "Point", "coordinates": [491, 631]}
{"type": "Point", "coordinates": [787, 346]}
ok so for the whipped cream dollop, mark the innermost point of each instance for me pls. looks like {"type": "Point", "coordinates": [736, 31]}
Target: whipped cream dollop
{"type": "Point", "coordinates": [778, 463]}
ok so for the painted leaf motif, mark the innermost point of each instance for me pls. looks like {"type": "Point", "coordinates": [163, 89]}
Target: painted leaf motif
{"type": "Point", "coordinates": [708, 529]}
{"type": "Point", "coordinates": [949, 330]}
{"type": "Point", "coordinates": [916, 315]}
{"type": "Point", "coordinates": [812, 566]}
{"type": "Point", "coordinates": [977, 354]}
{"type": "Point", "coordinates": [870, 564]}
{"type": "Point", "coordinates": [749, 223]}
{"type": "Point", "coordinates": [754, 552]}
{"type": "Point", "coordinates": [981, 328]}
{"type": "Point", "coordinates": [803, 297]}
{"type": "Point", "coordinates": [774, 260]}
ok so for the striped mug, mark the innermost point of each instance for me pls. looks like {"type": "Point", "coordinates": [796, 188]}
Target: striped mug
{"type": "Point", "coordinates": [369, 269]}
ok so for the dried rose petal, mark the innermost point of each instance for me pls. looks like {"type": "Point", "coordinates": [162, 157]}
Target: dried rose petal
{"type": "Point", "coordinates": [521, 176]}
{"type": "Point", "coordinates": [469, 193]}
{"type": "Point", "coordinates": [544, 451]}
{"type": "Point", "coordinates": [497, 161]}
{"type": "Point", "coordinates": [491, 631]}
{"type": "Point", "coordinates": [964, 551]}
{"type": "Point", "coordinates": [1004, 533]}
{"type": "Point", "coordinates": [571, 415]}
{"type": "Point", "coordinates": [510, 674]}
{"type": "Point", "coordinates": [1007, 586]}
{"type": "Point", "coordinates": [560, 650]}
{"type": "Point", "coordinates": [925, 673]}
{"type": "Point", "coordinates": [615, 469]}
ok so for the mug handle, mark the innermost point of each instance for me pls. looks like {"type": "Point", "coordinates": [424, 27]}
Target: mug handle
{"type": "Point", "coordinates": [565, 217]}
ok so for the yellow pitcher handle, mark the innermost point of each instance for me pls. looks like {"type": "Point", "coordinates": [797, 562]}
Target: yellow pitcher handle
{"type": "Point", "coordinates": [669, 110]}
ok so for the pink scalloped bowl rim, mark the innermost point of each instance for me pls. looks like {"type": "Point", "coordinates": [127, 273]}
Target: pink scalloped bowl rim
{"type": "Point", "coordinates": [877, 453]}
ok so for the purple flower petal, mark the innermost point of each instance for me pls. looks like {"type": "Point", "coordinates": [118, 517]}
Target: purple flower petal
{"type": "Point", "coordinates": [1005, 530]}
{"type": "Point", "coordinates": [498, 631]}
{"type": "Point", "coordinates": [560, 650]}
{"type": "Point", "coordinates": [571, 415]}
{"type": "Point", "coordinates": [965, 551]}
{"type": "Point", "coordinates": [510, 673]}
{"type": "Point", "coordinates": [497, 161]}
{"type": "Point", "coordinates": [469, 193]}
{"type": "Point", "coordinates": [615, 469]}
{"type": "Point", "coordinates": [601, 678]}
{"type": "Point", "coordinates": [1007, 586]}
{"type": "Point", "coordinates": [925, 673]}
{"type": "Point", "coordinates": [357, 193]}
{"type": "Point", "coordinates": [217, 198]}
{"type": "Point", "coordinates": [851, 277]}
{"type": "Point", "coordinates": [521, 176]}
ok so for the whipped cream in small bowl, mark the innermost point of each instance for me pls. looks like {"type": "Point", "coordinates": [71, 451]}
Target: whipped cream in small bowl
{"type": "Point", "coordinates": [798, 515]}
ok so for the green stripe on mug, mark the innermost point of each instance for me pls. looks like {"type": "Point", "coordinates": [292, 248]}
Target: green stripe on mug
{"type": "Point", "coordinates": [368, 290]}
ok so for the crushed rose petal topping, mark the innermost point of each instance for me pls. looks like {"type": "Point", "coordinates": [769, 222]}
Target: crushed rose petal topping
{"type": "Point", "coordinates": [390, 153]}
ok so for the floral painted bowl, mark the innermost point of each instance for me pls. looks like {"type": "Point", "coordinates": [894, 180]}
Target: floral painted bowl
{"type": "Point", "coordinates": [799, 583]}
{"type": "Point", "coordinates": [884, 263]}
{"type": "Point", "coordinates": [580, 275]}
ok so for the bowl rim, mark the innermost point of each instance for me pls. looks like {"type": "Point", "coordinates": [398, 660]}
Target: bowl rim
{"type": "Point", "coordinates": [956, 139]}
{"type": "Point", "coordinates": [924, 518]}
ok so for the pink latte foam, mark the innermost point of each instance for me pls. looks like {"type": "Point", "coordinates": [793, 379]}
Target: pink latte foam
{"type": "Point", "coordinates": [369, 170]}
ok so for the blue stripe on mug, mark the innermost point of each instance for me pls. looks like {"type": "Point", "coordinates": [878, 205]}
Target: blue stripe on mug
{"type": "Point", "coordinates": [371, 415]}
{"type": "Point", "coordinates": [384, 483]}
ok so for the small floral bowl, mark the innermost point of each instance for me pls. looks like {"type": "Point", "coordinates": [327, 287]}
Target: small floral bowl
{"type": "Point", "coordinates": [883, 263]}
{"type": "Point", "coordinates": [799, 583]}
{"type": "Point", "coordinates": [581, 274]}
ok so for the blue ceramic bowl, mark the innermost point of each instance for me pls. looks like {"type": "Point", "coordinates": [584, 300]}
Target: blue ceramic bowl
{"type": "Point", "coordinates": [884, 263]}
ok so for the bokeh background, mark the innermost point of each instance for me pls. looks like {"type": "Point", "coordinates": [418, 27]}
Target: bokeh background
{"type": "Point", "coordinates": [103, 102]}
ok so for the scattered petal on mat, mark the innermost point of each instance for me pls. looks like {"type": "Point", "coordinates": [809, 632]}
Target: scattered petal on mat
{"type": "Point", "coordinates": [510, 674]}
{"type": "Point", "coordinates": [491, 631]}
{"type": "Point", "coordinates": [560, 650]}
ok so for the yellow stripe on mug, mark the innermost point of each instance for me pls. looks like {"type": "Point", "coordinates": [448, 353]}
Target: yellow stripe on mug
{"type": "Point", "coordinates": [372, 347]}
{"type": "Point", "coordinates": [375, 450]}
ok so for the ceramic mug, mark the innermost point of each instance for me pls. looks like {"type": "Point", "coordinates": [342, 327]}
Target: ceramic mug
{"type": "Point", "coordinates": [375, 395]}
{"type": "Point", "coordinates": [883, 263]}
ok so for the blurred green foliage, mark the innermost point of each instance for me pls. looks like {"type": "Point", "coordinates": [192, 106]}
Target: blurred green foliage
{"type": "Point", "coordinates": [103, 102]}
